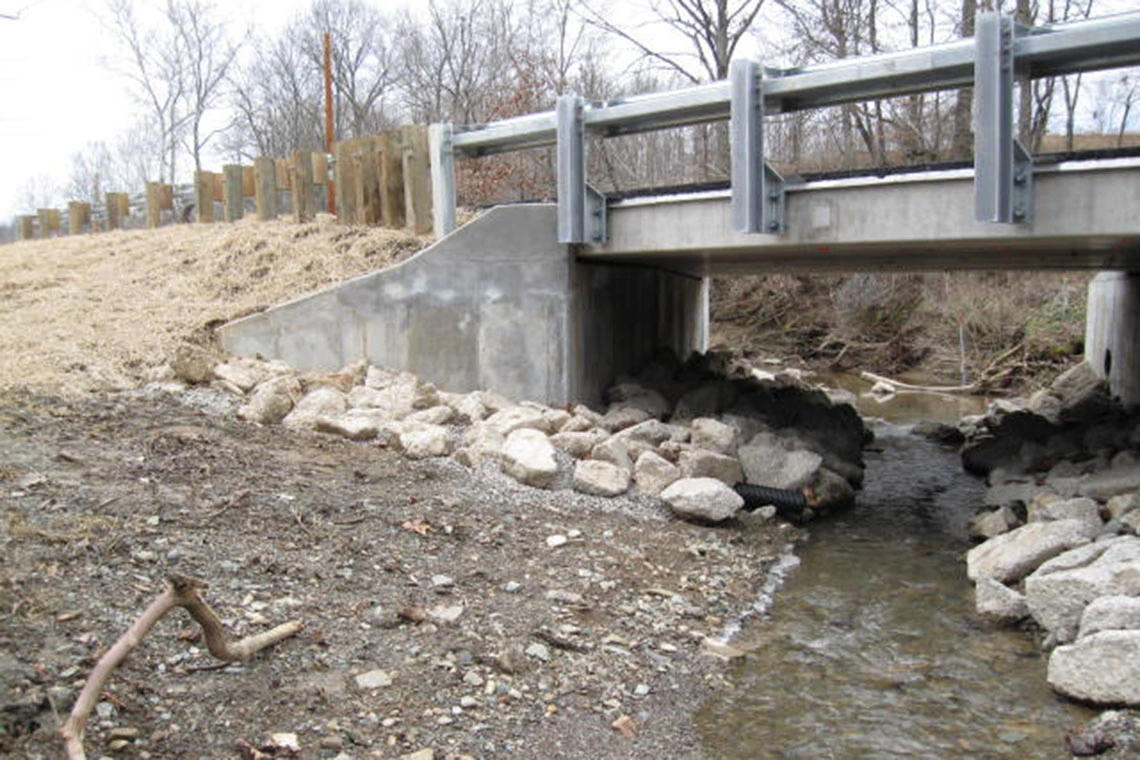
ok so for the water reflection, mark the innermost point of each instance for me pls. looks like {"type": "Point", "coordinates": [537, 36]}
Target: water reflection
{"type": "Point", "coordinates": [872, 649]}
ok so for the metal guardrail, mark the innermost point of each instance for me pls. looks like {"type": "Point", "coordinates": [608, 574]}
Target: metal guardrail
{"type": "Point", "coordinates": [999, 52]}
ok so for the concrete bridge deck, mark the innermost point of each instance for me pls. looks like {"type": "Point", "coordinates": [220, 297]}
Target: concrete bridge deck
{"type": "Point", "coordinates": [1086, 216]}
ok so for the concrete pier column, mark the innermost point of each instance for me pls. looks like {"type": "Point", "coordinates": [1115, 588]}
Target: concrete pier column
{"type": "Point", "coordinates": [1112, 337]}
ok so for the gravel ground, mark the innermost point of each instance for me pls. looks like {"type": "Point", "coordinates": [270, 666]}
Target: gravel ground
{"type": "Point", "coordinates": [446, 613]}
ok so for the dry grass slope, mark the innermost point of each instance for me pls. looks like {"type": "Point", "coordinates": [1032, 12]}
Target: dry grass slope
{"type": "Point", "coordinates": [94, 312]}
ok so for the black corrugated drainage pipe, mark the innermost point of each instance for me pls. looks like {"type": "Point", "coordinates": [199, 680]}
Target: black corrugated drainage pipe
{"type": "Point", "coordinates": [788, 503]}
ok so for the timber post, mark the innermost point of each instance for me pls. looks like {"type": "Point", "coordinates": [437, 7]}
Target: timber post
{"type": "Point", "coordinates": [302, 186]}
{"type": "Point", "coordinates": [265, 185]}
{"type": "Point", "coordinates": [232, 196]}
{"type": "Point", "coordinates": [204, 195]}
{"type": "Point", "coordinates": [417, 178]}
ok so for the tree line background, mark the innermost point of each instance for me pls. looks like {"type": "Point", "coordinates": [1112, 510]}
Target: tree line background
{"type": "Point", "coordinates": [209, 92]}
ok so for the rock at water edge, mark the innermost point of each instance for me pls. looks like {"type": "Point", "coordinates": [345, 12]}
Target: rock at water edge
{"type": "Point", "coordinates": [999, 603]}
{"type": "Point", "coordinates": [702, 498]}
{"type": "Point", "coordinates": [1103, 669]}
{"type": "Point", "coordinates": [1014, 555]}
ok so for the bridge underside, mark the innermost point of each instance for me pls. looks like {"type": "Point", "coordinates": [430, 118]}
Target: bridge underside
{"type": "Point", "coordinates": [1086, 215]}
{"type": "Point", "coordinates": [500, 304]}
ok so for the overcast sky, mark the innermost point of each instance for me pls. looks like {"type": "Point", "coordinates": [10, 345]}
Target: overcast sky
{"type": "Point", "coordinates": [55, 93]}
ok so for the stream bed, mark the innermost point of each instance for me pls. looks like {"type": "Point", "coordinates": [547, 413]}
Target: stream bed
{"type": "Point", "coordinates": [871, 649]}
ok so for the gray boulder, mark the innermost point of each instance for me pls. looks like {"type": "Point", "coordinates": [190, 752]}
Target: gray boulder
{"type": "Point", "coordinates": [654, 473]}
{"type": "Point", "coordinates": [713, 435]}
{"type": "Point", "coordinates": [600, 478]}
{"type": "Point", "coordinates": [528, 457]}
{"type": "Point", "coordinates": [1114, 481]}
{"type": "Point", "coordinates": [1059, 591]}
{"type": "Point", "coordinates": [1011, 556]}
{"type": "Point", "coordinates": [766, 463]}
{"type": "Point", "coordinates": [702, 498]}
{"type": "Point", "coordinates": [420, 441]}
{"type": "Point", "coordinates": [318, 403]}
{"type": "Point", "coordinates": [621, 417]}
{"type": "Point", "coordinates": [1103, 669]}
{"type": "Point", "coordinates": [697, 463]}
{"type": "Point", "coordinates": [1110, 613]}
{"type": "Point", "coordinates": [578, 444]}
{"type": "Point", "coordinates": [999, 603]}
{"type": "Point", "coordinates": [1065, 509]}
{"type": "Point", "coordinates": [614, 450]}
{"type": "Point", "coordinates": [271, 401]}
{"type": "Point", "coordinates": [991, 523]}
{"type": "Point", "coordinates": [1118, 506]}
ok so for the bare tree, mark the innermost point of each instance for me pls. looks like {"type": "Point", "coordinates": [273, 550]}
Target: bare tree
{"type": "Point", "coordinates": [365, 68]}
{"type": "Point", "coordinates": [209, 53]}
{"type": "Point", "coordinates": [712, 29]}
{"type": "Point", "coordinates": [153, 61]}
{"type": "Point", "coordinates": [40, 191]}
{"type": "Point", "coordinates": [275, 101]}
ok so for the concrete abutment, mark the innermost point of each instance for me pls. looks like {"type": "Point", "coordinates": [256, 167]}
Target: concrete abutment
{"type": "Point", "coordinates": [498, 305]}
{"type": "Point", "coordinates": [1112, 340]}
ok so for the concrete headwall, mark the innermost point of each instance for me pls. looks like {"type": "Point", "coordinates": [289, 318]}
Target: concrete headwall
{"type": "Point", "coordinates": [1112, 341]}
{"type": "Point", "coordinates": [497, 304]}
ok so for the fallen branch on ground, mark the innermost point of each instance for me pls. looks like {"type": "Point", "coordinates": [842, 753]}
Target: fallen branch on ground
{"type": "Point", "coordinates": [183, 592]}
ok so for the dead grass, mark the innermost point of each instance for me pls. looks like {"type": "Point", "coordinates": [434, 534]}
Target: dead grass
{"type": "Point", "coordinates": [93, 312]}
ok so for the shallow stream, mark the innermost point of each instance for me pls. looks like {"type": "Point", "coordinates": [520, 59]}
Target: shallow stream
{"type": "Point", "coordinates": [871, 649]}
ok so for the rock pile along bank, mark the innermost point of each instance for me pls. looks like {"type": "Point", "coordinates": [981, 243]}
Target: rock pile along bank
{"type": "Point", "coordinates": [1059, 545]}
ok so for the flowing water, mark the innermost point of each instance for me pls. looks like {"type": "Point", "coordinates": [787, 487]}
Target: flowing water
{"type": "Point", "coordinates": [872, 649]}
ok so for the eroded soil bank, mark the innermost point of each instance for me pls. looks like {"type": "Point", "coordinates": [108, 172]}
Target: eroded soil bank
{"type": "Point", "coordinates": [437, 614]}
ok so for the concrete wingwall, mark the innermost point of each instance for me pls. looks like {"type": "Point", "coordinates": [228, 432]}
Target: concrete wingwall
{"type": "Point", "coordinates": [499, 305]}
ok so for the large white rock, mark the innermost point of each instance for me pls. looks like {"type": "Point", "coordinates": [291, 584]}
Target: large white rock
{"type": "Point", "coordinates": [703, 498]}
{"type": "Point", "coordinates": [713, 435]}
{"type": "Point", "coordinates": [1118, 506]}
{"type": "Point", "coordinates": [271, 401]}
{"type": "Point", "coordinates": [421, 441]}
{"type": "Point", "coordinates": [355, 427]}
{"type": "Point", "coordinates": [986, 525]}
{"type": "Point", "coordinates": [506, 421]}
{"type": "Point", "coordinates": [1114, 481]}
{"type": "Point", "coordinates": [1059, 592]}
{"type": "Point", "coordinates": [1110, 613]}
{"type": "Point", "coordinates": [436, 415]}
{"type": "Point", "coordinates": [318, 403]}
{"type": "Point", "coordinates": [600, 478]}
{"type": "Point", "coordinates": [1014, 555]}
{"type": "Point", "coordinates": [654, 473]}
{"type": "Point", "coordinates": [998, 602]}
{"type": "Point", "coordinates": [621, 417]}
{"type": "Point", "coordinates": [578, 444]}
{"type": "Point", "coordinates": [615, 451]}
{"type": "Point", "coordinates": [528, 457]}
{"type": "Point", "coordinates": [699, 463]}
{"type": "Point", "coordinates": [243, 375]}
{"type": "Point", "coordinates": [653, 432]}
{"type": "Point", "coordinates": [1103, 668]}
{"type": "Point", "coordinates": [774, 466]}
{"type": "Point", "coordinates": [468, 408]}
{"type": "Point", "coordinates": [1065, 509]}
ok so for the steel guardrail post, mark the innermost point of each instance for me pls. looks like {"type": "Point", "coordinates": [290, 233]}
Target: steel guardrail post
{"type": "Point", "coordinates": [1003, 169]}
{"type": "Point", "coordinates": [571, 148]}
{"type": "Point", "coordinates": [442, 152]}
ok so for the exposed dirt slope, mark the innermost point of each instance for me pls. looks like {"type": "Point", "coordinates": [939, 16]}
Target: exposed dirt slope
{"type": "Point", "coordinates": [93, 312]}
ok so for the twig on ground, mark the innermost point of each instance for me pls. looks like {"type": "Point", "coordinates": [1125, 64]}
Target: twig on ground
{"type": "Point", "coordinates": [183, 592]}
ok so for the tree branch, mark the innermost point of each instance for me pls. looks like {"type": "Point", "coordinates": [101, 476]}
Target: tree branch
{"type": "Point", "coordinates": [183, 592]}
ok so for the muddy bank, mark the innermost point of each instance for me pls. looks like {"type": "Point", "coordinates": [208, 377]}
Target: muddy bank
{"type": "Point", "coordinates": [441, 611]}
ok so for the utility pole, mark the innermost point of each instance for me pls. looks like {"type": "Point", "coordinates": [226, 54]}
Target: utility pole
{"type": "Point", "coordinates": [329, 117]}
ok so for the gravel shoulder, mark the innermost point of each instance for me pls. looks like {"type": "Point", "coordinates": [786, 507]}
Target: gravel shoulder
{"type": "Point", "coordinates": [440, 611]}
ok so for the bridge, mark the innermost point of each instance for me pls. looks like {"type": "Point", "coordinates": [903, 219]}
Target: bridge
{"type": "Point", "coordinates": [552, 301]}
